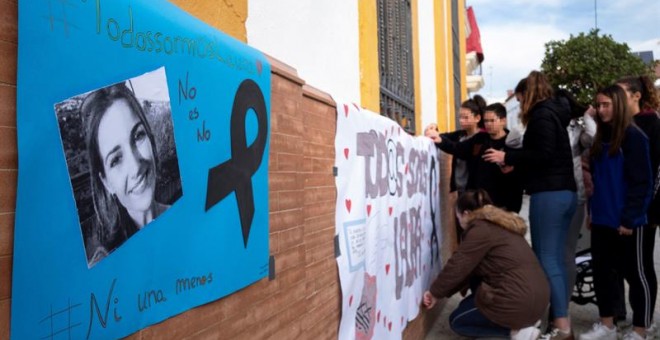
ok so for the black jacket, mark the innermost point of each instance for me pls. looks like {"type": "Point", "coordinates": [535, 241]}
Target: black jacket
{"type": "Point", "coordinates": [505, 190]}
{"type": "Point", "coordinates": [454, 137]}
{"type": "Point", "coordinates": [545, 158]}
{"type": "Point", "coordinates": [649, 122]}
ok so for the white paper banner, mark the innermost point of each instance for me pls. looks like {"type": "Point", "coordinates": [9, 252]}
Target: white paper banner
{"type": "Point", "coordinates": [387, 223]}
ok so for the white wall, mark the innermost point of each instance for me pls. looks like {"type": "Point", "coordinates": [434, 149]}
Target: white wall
{"type": "Point", "coordinates": [428, 90]}
{"type": "Point", "coordinates": [318, 38]}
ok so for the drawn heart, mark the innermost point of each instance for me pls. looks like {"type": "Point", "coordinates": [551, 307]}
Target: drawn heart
{"type": "Point", "coordinates": [378, 317]}
{"type": "Point", "coordinates": [406, 169]}
{"type": "Point", "coordinates": [348, 205]}
{"type": "Point", "coordinates": [368, 209]}
{"type": "Point", "coordinates": [346, 153]}
{"type": "Point", "coordinates": [390, 210]}
{"type": "Point", "coordinates": [345, 110]}
{"type": "Point", "coordinates": [387, 269]}
{"type": "Point", "coordinates": [350, 301]}
{"type": "Point", "coordinates": [259, 67]}
{"type": "Point", "coordinates": [389, 326]}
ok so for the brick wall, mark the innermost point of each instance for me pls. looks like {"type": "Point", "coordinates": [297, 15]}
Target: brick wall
{"type": "Point", "coordinates": [303, 301]}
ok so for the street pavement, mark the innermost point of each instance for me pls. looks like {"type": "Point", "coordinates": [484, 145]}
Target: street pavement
{"type": "Point", "coordinates": [582, 316]}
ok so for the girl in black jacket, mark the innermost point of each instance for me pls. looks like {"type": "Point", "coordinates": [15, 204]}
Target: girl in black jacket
{"type": "Point", "coordinates": [547, 163]}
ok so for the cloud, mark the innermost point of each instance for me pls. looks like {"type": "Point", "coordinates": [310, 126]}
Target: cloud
{"type": "Point", "coordinates": [513, 33]}
{"type": "Point", "coordinates": [511, 51]}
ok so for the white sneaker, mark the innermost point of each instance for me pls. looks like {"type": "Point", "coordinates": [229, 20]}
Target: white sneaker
{"type": "Point", "coordinates": [651, 331]}
{"type": "Point", "coordinates": [527, 333]}
{"type": "Point", "coordinates": [599, 332]}
{"type": "Point", "coordinates": [632, 335]}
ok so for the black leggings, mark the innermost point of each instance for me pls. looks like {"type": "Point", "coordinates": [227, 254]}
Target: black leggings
{"type": "Point", "coordinates": [630, 257]}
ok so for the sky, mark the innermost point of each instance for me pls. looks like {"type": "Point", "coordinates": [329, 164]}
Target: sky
{"type": "Point", "coordinates": [514, 32]}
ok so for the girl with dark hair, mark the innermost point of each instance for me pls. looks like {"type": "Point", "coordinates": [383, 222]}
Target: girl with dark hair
{"type": "Point", "coordinates": [512, 293]}
{"type": "Point", "coordinates": [123, 166]}
{"type": "Point", "coordinates": [621, 173]}
{"type": "Point", "coordinates": [643, 101]}
{"type": "Point", "coordinates": [547, 165]}
{"type": "Point", "coordinates": [470, 119]}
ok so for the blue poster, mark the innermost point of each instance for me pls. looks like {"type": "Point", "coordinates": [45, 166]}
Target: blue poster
{"type": "Point", "coordinates": [143, 167]}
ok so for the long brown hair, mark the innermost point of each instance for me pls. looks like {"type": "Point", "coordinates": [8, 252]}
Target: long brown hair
{"type": "Point", "coordinates": [109, 211]}
{"type": "Point", "coordinates": [621, 119]}
{"type": "Point", "coordinates": [537, 89]}
{"type": "Point", "coordinates": [649, 99]}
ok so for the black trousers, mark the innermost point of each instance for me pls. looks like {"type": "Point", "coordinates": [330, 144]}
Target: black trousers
{"type": "Point", "coordinates": [631, 257]}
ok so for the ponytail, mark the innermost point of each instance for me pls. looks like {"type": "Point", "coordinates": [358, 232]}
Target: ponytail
{"type": "Point", "coordinates": [649, 99]}
{"type": "Point", "coordinates": [476, 105]}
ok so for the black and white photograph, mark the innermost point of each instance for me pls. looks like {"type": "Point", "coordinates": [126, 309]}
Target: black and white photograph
{"type": "Point", "coordinates": [119, 146]}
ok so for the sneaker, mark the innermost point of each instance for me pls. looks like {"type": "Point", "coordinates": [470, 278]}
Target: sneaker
{"type": "Point", "coordinates": [599, 332]}
{"type": "Point", "coordinates": [557, 334]}
{"type": "Point", "coordinates": [651, 331]}
{"type": "Point", "coordinates": [632, 335]}
{"type": "Point", "coordinates": [527, 333]}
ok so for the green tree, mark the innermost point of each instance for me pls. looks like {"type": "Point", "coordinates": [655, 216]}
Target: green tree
{"type": "Point", "coordinates": [584, 63]}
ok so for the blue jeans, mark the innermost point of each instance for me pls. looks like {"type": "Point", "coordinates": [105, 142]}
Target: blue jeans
{"type": "Point", "coordinates": [466, 320]}
{"type": "Point", "coordinates": [550, 215]}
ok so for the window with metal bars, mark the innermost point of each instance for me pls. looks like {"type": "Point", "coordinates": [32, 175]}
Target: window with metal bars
{"type": "Point", "coordinates": [456, 48]}
{"type": "Point", "coordinates": [395, 57]}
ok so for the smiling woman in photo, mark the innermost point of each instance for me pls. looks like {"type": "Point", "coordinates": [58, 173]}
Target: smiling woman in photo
{"type": "Point", "coordinates": [123, 166]}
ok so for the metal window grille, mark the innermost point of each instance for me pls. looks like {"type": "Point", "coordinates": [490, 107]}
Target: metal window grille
{"type": "Point", "coordinates": [397, 92]}
{"type": "Point", "coordinates": [456, 47]}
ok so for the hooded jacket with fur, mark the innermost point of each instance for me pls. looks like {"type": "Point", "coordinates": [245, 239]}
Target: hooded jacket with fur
{"type": "Point", "coordinates": [514, 291]}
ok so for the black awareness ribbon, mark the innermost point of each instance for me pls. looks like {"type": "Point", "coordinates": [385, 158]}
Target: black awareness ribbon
{"type": "Point", "coordinates": [235, 175]}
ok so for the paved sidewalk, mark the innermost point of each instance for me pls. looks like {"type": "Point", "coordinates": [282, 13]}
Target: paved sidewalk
{"type": "Point", "coordinates": [582, 317]}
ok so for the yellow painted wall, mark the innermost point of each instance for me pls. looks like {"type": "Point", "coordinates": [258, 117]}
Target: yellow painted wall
{"type": "Point", "coordinates": [462, 38]}
{"type": "Point", "coordinates": [442, 23]}
{"type": "Point", "coordinates": [369, 77]}
{"type": "Point", "coordinates": [228, 16]}
{"type": "Point", "coordinates": [416, 67]}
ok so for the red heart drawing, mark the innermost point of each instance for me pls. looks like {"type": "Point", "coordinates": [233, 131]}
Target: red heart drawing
{"type": "Point", "coordinates": [389, 326]}
{"type": "Point", "coordinates": [390, 210]}
{"type": "Point", "coordinates": [350, 301]}
{"type": "Point", "coordinates": [387, 269]}
{"type": "Point", "coordinates": [346, 153]}
{"type": "Point", "coordinates": [368, 209]}
{"type": "Point", "coordinates": [348, 205]}
{"type": "Point", "coordinates": [345, 110]}
{"type": "Point", "coordinates": [378, 317]}
{"type": "Point", "coordinates": [259, 67]}
{"type": "Point", "coordinates": [406, 169]}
